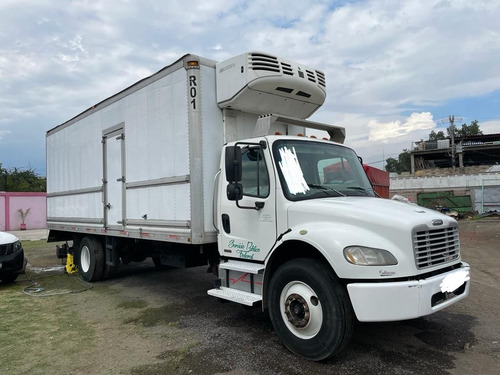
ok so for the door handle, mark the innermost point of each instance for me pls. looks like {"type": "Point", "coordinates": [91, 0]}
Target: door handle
{"type": "Point", "coordinates": [226, 223]}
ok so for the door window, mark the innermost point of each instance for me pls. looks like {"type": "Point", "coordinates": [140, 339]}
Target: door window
{"type": "Point", "coordinates": [255, 179]}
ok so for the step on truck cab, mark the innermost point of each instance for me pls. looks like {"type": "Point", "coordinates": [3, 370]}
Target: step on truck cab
{"type": "Point", "coordinates": [208, 163]}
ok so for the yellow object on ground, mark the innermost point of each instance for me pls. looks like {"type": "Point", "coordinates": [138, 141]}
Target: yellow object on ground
{"type": "Point", "coordinates": [70, 265]}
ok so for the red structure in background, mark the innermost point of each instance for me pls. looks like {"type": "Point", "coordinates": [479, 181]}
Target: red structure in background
{"type": "Point", "coordinates": [380, 180]}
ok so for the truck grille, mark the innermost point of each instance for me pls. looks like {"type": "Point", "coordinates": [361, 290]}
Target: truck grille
{"type": "Point", "coordinates": [433, 247]}
{"type": "Point", "coordinates": [6, 249]}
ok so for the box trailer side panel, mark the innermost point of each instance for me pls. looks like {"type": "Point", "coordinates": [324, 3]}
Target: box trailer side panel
{"type": "Point", "coordinates": [213, 138]}
{"type": "Point", "coordinates": [174, 191]}
{"type": "Point", "coordinates": [143, 163]}
{"type": "Point", "coordinates": [131, 144]}
{"type": "Point", "coordinates": [157, 168]}
{"type": "Point", "coordinates": [74, 173]}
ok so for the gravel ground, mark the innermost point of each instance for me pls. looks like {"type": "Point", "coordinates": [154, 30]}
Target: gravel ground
{"type": "Point", "coordinates": [163, 322]}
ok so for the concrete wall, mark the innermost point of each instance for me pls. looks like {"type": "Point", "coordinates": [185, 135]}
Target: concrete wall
{"type": "Point", "coordinates": [483, 188]}
{"type": "Point", "coordinates": [11, 202]}
{"type": "Point", "coordinates": [446, 182]}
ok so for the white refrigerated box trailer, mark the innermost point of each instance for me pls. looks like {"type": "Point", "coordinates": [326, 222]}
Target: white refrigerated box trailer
{"type": "Point", "coordinates": [141, 163]}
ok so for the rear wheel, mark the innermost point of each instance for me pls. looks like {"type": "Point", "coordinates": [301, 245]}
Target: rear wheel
{"type": "Point", "coordinates": [91, 259]}
{"type": "Point", "coordinates": [310, 310]}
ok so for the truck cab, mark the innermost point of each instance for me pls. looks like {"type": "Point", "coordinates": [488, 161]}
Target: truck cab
{"type": "Point", "coordinates": [302, 231]}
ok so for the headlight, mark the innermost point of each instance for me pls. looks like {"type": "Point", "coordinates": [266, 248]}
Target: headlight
{"type": "Point", "coordinates": [366, 256]}
{"type": "Point", "coordinates": [17, 246]}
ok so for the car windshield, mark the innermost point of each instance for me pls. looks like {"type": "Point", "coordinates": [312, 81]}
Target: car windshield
{"type": "Point", "coordinates": [316, 170]}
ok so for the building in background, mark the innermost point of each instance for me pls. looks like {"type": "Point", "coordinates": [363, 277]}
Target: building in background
{"type": "Point", "coordinates": [12, 202]}
{"type": "Point", "coordinates": [477, 150]}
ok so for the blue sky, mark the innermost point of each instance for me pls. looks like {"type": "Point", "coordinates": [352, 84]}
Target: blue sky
{"type": "Point", "coordinates": [393, 68]}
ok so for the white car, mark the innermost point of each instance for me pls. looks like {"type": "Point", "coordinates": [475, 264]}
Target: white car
{"type": "Point", "coordinates": [12, 261]}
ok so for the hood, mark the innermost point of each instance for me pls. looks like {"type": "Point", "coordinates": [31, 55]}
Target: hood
{"type": "Point", "coordinates": [374, 212]}
{"type": "Point", "coordinates": [331, 224]}
{"type": "Point", "coordinates": [6, 238]}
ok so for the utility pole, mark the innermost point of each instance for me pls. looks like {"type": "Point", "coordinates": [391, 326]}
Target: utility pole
{"type": "Point", "coordinates": [452, 133]}
{"type": "Point", "coordinates": [451, 129]}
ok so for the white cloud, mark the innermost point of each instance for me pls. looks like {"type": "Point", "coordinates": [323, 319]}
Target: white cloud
{"type": "Point", "coordinates": [381, 58]}
{"type": "Point", "coordinates": [490, 127]}
{"type": "Point", "coordinates": [380, 131]}
{"type": "Point", "coordinates": [389, 54]}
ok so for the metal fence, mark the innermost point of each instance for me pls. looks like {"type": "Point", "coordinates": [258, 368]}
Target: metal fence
{"type": "Point", "coordinates": [445, 199]}
{"type": "Point", "coordinates": [487, 197]}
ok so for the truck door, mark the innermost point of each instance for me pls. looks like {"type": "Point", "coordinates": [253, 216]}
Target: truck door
{"type": "Point", "coordinates": [114, 177]}
{"type": "Point", "coordinates": [247, 227]}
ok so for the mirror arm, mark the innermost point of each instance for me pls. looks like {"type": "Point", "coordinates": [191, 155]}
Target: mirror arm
{"type": "Point", "coordinates": [258, 206]}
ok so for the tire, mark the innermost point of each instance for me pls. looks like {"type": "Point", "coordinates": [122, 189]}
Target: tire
{"type": "Point", "coordinates": [310, 310]}
{"type": "Point", "coordinates": [91, 259]}
{"type": "Point", "coordinates": [7, 279]}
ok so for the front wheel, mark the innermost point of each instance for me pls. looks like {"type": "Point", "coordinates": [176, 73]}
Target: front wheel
{"type": "Point", "coordinates": [310, 310]}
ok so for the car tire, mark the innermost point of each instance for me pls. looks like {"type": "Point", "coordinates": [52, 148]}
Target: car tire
{"type": "Point", "coordinates": [7, 279]}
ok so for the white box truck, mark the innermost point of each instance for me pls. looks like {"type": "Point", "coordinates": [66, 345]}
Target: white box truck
{"type": "Point", "coordinates": [207, 163]}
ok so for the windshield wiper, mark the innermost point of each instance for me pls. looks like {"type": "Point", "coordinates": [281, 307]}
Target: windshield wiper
{"type": "Point", "coordinates": [326, 188]}
{"type": "Point", "coordinates": [316, 186]}
{"type": "Point", "coordinates": [358, 188]}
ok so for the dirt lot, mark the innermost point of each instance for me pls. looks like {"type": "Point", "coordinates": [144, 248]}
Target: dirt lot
{"type": "Point", "coordinates": [163, 322]}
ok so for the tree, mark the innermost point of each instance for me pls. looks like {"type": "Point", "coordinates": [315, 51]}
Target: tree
{"type": "Point", "coordinates": [404, 161]}
{"type": "Point", "coordinates": [465, 130]}
{"type": "Point", "coordinates": [402, 164]}
{"type": "Point", "coordinates": [391, 165]}
{"type": "Point", "coordinates": [433, 136]}
{"type": "Point", "coordinates": [15, 179]}
{"type": "Point", "coordinates": [470, 130]}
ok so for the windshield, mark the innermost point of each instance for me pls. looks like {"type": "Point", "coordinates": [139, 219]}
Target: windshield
{"type": "Point", "coordinates": [316, 170]}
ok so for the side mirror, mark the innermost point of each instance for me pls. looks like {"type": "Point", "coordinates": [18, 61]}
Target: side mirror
{"type": "Point", "coordinates": [234, 191]}
{"type": "Point", "coordinates": [233, 164]}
